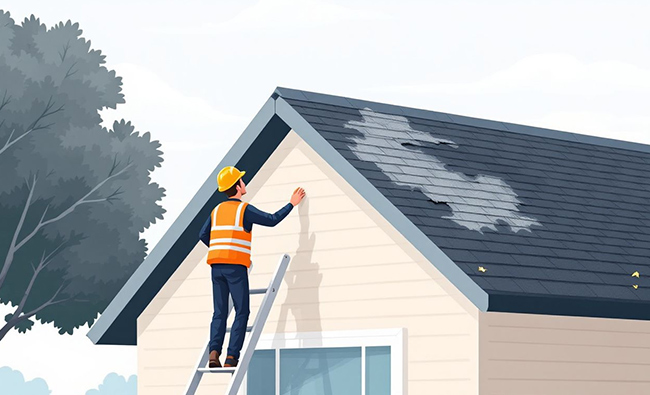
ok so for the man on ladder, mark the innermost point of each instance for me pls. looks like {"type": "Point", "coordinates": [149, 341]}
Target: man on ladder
{"type": "Point", "coordinates": [228, 234]}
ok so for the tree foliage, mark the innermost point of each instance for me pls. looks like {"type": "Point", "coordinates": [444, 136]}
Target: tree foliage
{"type": "Point", "coordinates": [74, 196]}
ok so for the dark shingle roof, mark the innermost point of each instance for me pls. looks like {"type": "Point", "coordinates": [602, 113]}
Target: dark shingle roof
{"type": "Point", "coordinates": [558, 220]}
{"type": "Point", "coordinates": [546, 213]}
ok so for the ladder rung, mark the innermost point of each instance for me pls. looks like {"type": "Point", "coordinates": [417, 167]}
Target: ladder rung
{"type": "Point", "coordinates": [248, 329]}
{"type": "Point", "coordinates": [217, 370]}
{"type": "Point", "coordinates": [258, 291]}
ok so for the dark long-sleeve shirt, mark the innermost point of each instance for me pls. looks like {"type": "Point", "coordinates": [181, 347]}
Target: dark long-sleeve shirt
{"type": "Point", "coordinates": [251, 216]}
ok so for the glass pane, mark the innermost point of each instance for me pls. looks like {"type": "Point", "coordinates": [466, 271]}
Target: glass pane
{"type": "Point", "coordinates": [377, 370]}
{"type": "Point", "coordinates": [320, 371]}
{"type": "Point", "coordinates": [261, 373]}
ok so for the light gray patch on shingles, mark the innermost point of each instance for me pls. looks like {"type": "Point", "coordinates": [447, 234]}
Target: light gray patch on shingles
{"type": "Point", "coordinates": [446, 185]}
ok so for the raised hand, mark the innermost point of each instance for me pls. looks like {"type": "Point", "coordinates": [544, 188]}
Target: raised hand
{"type": "Point", "coordinates": [297, 196]}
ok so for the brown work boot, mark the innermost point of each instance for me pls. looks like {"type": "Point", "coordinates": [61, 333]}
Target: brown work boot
{"type": "Point", "coordinates": [231, 362]}
{"type": "Point", "coordinates": [214, 360]}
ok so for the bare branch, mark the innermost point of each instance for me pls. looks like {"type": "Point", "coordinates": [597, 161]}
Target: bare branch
{"type": "Point", "coordinates": [17, 318]}
{"type": "Point", "coordinates": [15, 245]}
{"type": "Point", "coordinates": [45, 260]}
{"type": "Point", "coordinates": [42, 127]}
{"type": "Point", "coordinates": [47, 114]}
{"type": "Point", "coordinates": [34, 125]}
{"type": "Point", "coordinates": [83, 200]}
{"type": "Point", "coordinates": [68, 73]}
{"type": "Point", "coordinates": [8, 142]}
{"type": "Point", "coordinates": [44, 213]}
{"type": "Point", "coordinates": [12, 247]}
{"type": "Point", "coordinates": [114, 166]}
{"type": "Point", "coordinates": [113, 195]}
{"type": "Point", "coordinates": [95, 201]}
{"type": "Point", "coordinates": [5, 100]}
{"type": "Point", "coordinates": [37, 271]}
{"type": "Point", "coordinates": [65, 51]}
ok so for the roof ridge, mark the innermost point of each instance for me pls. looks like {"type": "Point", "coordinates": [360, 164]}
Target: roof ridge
{"type": "Point", "coordinates": [396, 109]}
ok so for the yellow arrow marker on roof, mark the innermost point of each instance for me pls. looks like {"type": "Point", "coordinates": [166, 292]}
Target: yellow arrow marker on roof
{"type": "Point", "coordinates": [482, 269]}
{"type": "Point", "coordinates": [635, 274]}
{"type": "Point", "coordinates": [635, 286]}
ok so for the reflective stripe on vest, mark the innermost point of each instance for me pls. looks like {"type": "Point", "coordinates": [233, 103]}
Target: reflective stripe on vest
{"type": "Point", "coordinates": [229, 242]}
{"type": "Point", "coordinates": [242, 249]}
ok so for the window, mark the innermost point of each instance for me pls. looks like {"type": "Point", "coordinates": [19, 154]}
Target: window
{"type": "Point", "coordinates": [320, 371]}
{"type": "Point", "coordinates": [261, 372]}
{"type": "Point", "coordinates": [328, 363]}
{"type": "Point", "coordinates": [377, 370]}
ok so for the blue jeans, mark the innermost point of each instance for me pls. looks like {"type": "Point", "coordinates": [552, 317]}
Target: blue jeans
{"type": "Point", "coordinates": [233, 279]}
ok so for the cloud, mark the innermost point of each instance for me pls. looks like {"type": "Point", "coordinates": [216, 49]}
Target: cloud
{"type": "Point", "coordinates": [149, 97]}
{"type": "Point", "coordinates": [552, 90]}
{"type": "Point", "coordinates": [180, 122]}
{"type": "Point", "coordinates": [553, 73]}
{"type": "Point", "coordinates": [630, 128]}
{"type": "Point", "coordinates": [12, 382]}
{"type": "Point", "coordinates": [295, 13]}
{"type": "Point", "coordinates": [115, 384]}
{"type": "Point", "coordinates": [66, 357]}
{"type": "Point", "coordinates": [279, 14]}
{"type": "Point", "coordinates": [194, 136]}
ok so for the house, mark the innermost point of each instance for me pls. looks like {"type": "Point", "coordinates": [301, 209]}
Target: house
{"type": "Point", "coordinates": [434, 254]}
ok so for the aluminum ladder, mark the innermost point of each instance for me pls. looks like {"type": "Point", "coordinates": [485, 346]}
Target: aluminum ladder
{"type": "Point", "coordinates": [251, 340]}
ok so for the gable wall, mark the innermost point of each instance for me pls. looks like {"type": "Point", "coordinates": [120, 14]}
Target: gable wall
{"type": "Point", "coordinates": [350, 270]}
{"type": "Point", "coordinates": [544, 354]}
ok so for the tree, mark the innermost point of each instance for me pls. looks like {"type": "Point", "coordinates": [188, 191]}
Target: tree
{"type": "Point", "coordinates": [74, 196]}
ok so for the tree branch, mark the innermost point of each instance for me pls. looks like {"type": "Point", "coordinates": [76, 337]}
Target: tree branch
{"type": "Point", "coordinates": [45, 260]}
{"type": "Point", "coordinates": [83, 200]}
{"type": "Point", "coordinates": [68, 73]}
{"type": "Point", "coordinates": [15, 320]}
{"type": "Point", "coordinates": [5, 100]}
{"type": "Point", "coordinates": [65, 51]}
{"type": "Point", "coordinates": [12, 247]}
{"type": "Point", "coordinates": [34, 126]}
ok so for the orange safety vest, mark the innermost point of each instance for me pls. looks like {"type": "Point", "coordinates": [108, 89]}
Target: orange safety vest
{"type": "Point", "coordinates": [229, 242]}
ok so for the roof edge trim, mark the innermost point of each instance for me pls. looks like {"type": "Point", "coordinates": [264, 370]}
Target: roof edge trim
{"type": "Point", "coordinates": [573, 306]}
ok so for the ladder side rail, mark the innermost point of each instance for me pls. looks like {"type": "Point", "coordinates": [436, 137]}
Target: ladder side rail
{"type": "Point", "coordinates": [193, 384]}
{"type": "Point", "coordinates": [258, 325]}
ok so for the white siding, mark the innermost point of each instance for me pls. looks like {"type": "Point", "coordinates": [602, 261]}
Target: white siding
{"type": "Point", "coordinates": [350, 270]}
{"type": "Point", "coordinates": [525, 354]}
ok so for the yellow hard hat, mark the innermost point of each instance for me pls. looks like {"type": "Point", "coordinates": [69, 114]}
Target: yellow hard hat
{"type": "Point", "coordinates": [228, 176]}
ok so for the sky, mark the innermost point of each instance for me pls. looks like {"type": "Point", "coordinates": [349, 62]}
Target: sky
{"type": "Point", "coordinates": [196, 72]}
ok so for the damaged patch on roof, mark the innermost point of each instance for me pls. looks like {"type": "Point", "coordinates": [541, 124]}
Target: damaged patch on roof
{"type": "Point", "coordinates": [443, 181]}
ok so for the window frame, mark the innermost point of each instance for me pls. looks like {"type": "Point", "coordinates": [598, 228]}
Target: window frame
{"type": "Point", "coordinates": [393, 337]}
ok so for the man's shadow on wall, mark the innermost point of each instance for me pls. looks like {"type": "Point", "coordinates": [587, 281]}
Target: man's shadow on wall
{"type": "Point", "coordinates": [303, 280]}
